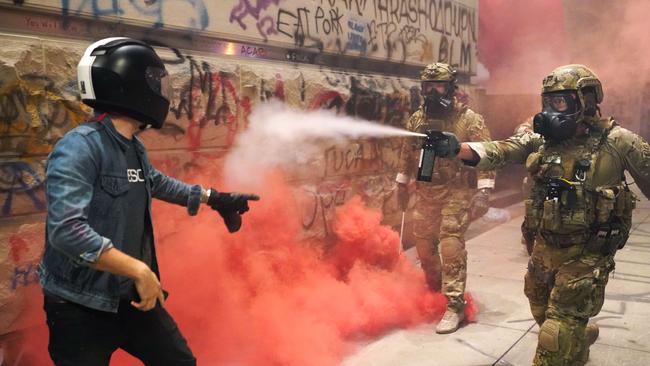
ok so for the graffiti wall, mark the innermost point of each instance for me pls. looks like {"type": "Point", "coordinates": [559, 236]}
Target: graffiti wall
{"type": "Point", "coordinates": [413, 31]}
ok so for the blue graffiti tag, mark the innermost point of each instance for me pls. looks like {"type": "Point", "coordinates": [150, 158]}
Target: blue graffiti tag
{"type": "Point", "coordinates": [152, 9]}
{"type": "Point", "coordinates": [96, 10]}
{"type": "Point", "coordinates": [24, 275]}
{"type": "Point", "coordinates": [19, 177]}
{"type": "Point", "coordinates": [356, 36]}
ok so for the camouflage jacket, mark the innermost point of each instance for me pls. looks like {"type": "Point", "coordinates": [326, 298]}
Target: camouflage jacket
{"type": "Point", "coordinates": [524, 127]}
{"type": "Point", "coordinates": [464, 123]}
{"type": "Point", "coordinates": [583, 176]}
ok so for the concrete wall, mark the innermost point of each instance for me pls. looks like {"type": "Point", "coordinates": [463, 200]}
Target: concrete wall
{"type": "Point", "coordinates": [414, 31]}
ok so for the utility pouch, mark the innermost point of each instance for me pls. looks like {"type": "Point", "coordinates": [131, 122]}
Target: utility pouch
{"type": "Point", "coordinates": [551, 219]}
{"type": "Point", "coordinates": [605, 204]}
{"type": "Point", "coordinates": [631, 201]}
{"type": "Point", "coordinates": [617, 237]}
{"type": "Point", "coordinates": [574, 210]}
{"type": "Point", "coordinates": [625, 204]}
{"type": "Point", "coordinates": [598, 239]}
{"type": "Point", "coordinates": [607, 238]}
{"type": "Point", "coordinates": [532, 215]}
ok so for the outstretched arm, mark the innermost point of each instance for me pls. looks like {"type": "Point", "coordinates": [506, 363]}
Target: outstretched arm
{"type": "Point", "coordinates": [496, 154]}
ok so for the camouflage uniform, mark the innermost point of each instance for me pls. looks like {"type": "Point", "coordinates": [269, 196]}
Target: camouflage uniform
{"type": "Point", "coordinates": [524, 127]}
{"type": "Point", "coordinates": [441, 213]}
{"type": "Point", "coordinates": [578, 231]}
{"type": "Point", "coordinates": [527, 234]}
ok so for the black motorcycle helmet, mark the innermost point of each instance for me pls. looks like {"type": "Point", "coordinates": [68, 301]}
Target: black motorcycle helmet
{"type": "Point", "coordinates": [125, 76]}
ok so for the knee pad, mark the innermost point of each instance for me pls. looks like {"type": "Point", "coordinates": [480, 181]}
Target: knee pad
{"type": "Point", "coordinates": [451, 249]}
{"type": "Point", "coordinates": [549, 335]}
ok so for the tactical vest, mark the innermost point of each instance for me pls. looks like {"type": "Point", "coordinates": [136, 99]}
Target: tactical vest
{"type": "Point", "coordinates": [566, 209]}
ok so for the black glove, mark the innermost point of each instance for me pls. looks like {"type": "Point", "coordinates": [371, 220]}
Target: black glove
{"type": "Point", "coordinates": [480, 204]}
{"type": "Point", "coordinates": [446, 145]}
{"type": "Point", "coordinates": [230, 205]}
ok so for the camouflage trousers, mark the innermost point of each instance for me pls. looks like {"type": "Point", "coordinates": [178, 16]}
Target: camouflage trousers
{"type": "Point", "coordinates": [565, 287]}
{"type": "Point", "coordinates": [440, 220]}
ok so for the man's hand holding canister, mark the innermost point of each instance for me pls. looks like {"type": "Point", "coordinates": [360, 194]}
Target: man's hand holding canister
{"type": "Point", "coordinates": [230, 205]}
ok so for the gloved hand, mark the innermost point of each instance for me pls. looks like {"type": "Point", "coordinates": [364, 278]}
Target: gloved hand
{"type": "Point", "coordinates": [480, 204]}
{"type": "Point", "coordinates": [403, 196]}
{"type": "Point", "coordinates": [230, 205]}
{"type": "Point", "coordinates": [447, 146]}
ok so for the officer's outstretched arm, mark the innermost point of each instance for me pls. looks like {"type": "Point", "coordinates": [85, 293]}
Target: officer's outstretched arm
{"type": "Point", "coordinates": [635, 152]}
{"type": "Point", "coordinates": [496, 154]}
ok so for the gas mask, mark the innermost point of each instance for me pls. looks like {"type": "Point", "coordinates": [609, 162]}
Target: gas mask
{"type": "Point", "coordinates": [438, 97]}
{"type": "Point", "coordinates": [560, 115]}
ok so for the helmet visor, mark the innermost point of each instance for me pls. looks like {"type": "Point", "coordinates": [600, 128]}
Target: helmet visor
{"type": "Point", "coordinates": [160, 82]}
{"type": "Point", "coordinates": [560, 102]}
{"type": "Point", "coordinates": [435, 87]}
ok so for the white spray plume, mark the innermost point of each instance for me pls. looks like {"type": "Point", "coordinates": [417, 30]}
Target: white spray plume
{"type": "Point", "coordinates": [280, 136]}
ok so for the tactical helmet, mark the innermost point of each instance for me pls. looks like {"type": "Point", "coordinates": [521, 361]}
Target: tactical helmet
{"type": "Point", "coordinates": [561, 112]}
{"type": "Point", "coordinates": [125, 76]}
{"type": "Point", "coordinates": [439, 72]}
{"type": "Point", "coordinates": [573, 77]}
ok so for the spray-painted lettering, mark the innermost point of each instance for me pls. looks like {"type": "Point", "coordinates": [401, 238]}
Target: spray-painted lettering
{"type": "Point", "coordinates": [24, 275]}
{"type": "Point", "coordinates": [154, 12]}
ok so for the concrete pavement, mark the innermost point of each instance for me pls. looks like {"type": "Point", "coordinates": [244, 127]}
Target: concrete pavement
{"type": "Point", "coordinates": [505, 332]}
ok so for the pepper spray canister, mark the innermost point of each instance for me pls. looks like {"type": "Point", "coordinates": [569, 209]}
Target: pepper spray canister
{"type": "Point", "coordinates": [427, 158]}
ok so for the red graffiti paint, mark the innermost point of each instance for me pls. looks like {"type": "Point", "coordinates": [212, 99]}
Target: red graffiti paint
{"type": "Point", "coordinates": [209, 97]}
{"type": "Point", "coordinates": [279, 87]}
{"type": "Point", "coordinates": [326, 99]}
{"type": "Point", "coordinates": [18, 247]}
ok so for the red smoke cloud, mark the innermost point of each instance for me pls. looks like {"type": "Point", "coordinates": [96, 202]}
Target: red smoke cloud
{"type": "Point", "coordinates": [263, 296]}
{"type": "Point", "coordinates": [520, 42]}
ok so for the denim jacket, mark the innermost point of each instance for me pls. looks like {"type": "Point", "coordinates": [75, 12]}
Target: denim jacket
{"type": "Point", "coordinates": [86, 187]}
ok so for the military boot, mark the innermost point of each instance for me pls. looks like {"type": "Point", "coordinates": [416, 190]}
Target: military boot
{"type": "Point", "coordinates": [450, 322]}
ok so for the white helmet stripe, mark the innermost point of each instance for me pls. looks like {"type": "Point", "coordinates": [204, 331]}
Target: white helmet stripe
{"type": "Point", "coordinates": [84, 74]}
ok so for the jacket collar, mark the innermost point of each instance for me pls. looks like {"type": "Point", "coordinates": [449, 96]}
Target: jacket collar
{"type": "Point", "coordinates": [105, 120]}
